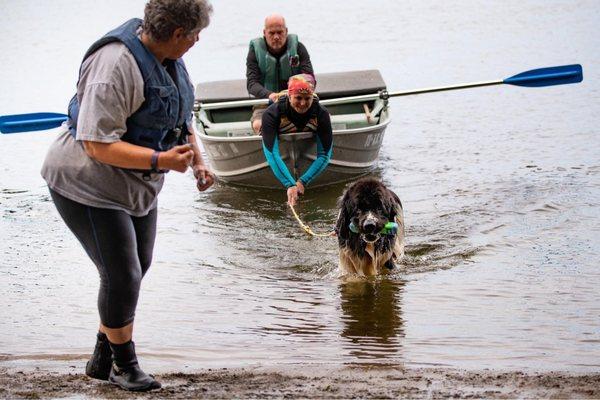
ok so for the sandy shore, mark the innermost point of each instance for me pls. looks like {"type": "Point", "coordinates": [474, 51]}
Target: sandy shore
{"type": "Point", "coordinates": [313, 381]}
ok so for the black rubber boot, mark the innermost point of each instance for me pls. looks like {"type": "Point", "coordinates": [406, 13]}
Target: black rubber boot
{"type": "Point", "coordinates": [126, 372]}
{"type": "Point", "coordinates": [98, 367]}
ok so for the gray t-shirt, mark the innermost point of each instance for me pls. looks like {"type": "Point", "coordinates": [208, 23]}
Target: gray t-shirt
{"type": "Point", "coordinates": [110, 89]}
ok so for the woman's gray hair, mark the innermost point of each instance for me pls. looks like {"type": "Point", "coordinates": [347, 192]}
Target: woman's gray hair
{"type": "Point", "coordinates": [162, 17]}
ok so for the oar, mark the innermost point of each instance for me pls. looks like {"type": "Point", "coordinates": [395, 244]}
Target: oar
{"type": "Point", "coordinates": [550, 76]}
{"type": "Point", "coordinates": [30, 122]}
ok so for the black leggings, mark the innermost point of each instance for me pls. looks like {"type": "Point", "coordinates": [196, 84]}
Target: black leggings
{"type": "Point", "coordinates": [121, 247]}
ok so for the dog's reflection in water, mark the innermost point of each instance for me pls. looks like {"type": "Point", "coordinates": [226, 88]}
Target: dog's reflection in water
{"type": "Point", "coordinates": [370, 228]}
{"type": "Point", "coordinates": [372, 317]}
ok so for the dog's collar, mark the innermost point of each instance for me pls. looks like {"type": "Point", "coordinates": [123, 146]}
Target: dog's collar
{"type": "Point", "coordinates": [388, 229]}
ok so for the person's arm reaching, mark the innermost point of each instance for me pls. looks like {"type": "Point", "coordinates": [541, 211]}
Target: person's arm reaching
{"type": "Point", "coordinates": [204, 176]}
{"type": "Point", "coordinates": [324, 138]}
{"type": "Point", "coordinates": [270, 125]}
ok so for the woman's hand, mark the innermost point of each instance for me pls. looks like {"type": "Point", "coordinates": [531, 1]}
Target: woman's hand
{"type": "Point", "coordinates": [300, 187]}
{"type": "Point", "coordinates": [179, 158]}
{"type": "Point", "coordinates": [292, 195]}
{"type": "Point", "coordinates": [294, 191]}
{"type": "Point", "coordinates": [204, 177]}
{"type": "Point", "coordinates": [274, 97]}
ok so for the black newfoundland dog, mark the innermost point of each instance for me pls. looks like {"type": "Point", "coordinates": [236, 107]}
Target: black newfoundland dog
{"type": "Point", "coordinates": [370, 228]}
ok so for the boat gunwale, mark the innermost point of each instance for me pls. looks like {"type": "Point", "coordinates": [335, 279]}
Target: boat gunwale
{"type": "Point", "coordinates": [265, 165]}
{"type": "Point", "coordinates": [293, 136]}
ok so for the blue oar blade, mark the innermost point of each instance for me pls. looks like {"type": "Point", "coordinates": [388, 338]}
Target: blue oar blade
{"type": "Point", "coordinates": [30, 122]}
{"type": "Point", "coordinates": [550, 76]}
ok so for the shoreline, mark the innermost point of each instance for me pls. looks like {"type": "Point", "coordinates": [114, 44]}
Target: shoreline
{"type": "Point", "coordinates": [311, 381]}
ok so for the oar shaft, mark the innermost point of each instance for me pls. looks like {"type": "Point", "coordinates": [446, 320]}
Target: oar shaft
{"type": "Point", "coordinates": [255, 102]}
{"type": "Point", "coordinates": [384, 94]}
{"type": "Point", "coordinates": [444, 88]}
{"type": "Point", "coordinates": [549, 76]}
{"type": "Point", "coordinates": [353, 99]}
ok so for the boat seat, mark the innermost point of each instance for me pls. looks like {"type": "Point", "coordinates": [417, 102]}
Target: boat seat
{"type": "Point", "coordinates": [230, 129]}
{"type": "Point", "coordinates": [350, 121]}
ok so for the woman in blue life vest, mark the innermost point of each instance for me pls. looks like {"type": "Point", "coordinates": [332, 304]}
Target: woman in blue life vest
{"type": "Point", "coordinates": [298, 110]}
{"type": "Point", "coordinates": [129, 123]}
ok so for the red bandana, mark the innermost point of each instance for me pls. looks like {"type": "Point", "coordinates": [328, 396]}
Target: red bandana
{"type": "Point", "coordinates": [302, 83]}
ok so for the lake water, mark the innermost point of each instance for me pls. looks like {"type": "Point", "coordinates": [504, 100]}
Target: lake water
{"type": "Point", "coordinates": [500, 185]}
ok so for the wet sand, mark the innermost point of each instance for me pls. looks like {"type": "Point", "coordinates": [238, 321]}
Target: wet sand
{"type": "Point", "coordinates": [313, 381]}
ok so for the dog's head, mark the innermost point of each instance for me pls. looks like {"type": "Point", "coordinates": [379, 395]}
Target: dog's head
{"type": "Point", "coordinates": [368, 211]}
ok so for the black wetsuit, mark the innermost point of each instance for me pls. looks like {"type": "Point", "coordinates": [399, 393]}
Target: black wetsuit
{"type": "Point", "coordinates": [271, 129]}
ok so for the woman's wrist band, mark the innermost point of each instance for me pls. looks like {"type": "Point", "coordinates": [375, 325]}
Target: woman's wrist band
{"type": "Point", "coordinates": [154, 161]}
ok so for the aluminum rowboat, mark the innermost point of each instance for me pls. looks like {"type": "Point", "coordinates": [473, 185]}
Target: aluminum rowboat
{"type": "Point", "coordinates": [359, 116]}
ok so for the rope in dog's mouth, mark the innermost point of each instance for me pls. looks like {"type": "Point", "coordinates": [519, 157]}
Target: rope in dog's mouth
{"type": "Point", "coordinates": [390, 228]}
{"type": "Point", "coordinates": [306, 228]}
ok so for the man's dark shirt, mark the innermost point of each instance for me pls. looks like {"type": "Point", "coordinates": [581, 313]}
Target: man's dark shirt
{"type": "Point", "coordinates": [254, 76]}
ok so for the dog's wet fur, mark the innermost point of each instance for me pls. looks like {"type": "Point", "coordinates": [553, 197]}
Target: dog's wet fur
{"type": "Point", "coordinates": [369, 204]}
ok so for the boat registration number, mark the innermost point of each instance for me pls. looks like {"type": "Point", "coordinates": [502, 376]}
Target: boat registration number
{"type": "Point", "coordinates": [373, 139]}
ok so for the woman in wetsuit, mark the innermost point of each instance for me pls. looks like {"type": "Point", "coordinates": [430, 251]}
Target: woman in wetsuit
{"type": "Point", "coordinates": [296, 111]}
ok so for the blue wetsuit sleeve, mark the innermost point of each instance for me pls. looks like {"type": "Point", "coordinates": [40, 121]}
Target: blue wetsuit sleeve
{"type": "Point", "coordinates": [277, 165]}
{"type": "Point", "coordinates": [324, 138]}
{"type": "Point", "coordinates": [270, 126]}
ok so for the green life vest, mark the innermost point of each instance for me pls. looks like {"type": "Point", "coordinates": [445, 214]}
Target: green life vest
{"type": "Point", "coordinates": [274, 70]}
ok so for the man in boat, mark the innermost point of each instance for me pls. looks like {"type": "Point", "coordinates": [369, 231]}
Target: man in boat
{"type": "Point", "coordinates": [296, 111]}
{"type": "Point", "coordinates": [129, 123]}
{"type": "Point", "coordinates": [271, 61]}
